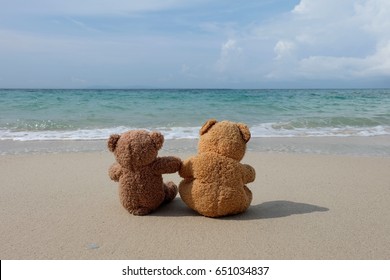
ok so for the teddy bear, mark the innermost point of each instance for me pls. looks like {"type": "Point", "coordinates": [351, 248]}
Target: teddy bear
{"type": "Point", "coordinates": [215, 181]}
{"type": "Point", "coordinates": [139, 170]}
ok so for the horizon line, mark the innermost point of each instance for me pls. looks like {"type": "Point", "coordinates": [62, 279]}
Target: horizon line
{"type": "Point", "coordinates": [188, 88]}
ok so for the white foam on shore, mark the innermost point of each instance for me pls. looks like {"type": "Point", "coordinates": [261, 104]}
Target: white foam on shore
{"type": "Point", "coordinates": [275, 130]}
{"type": "Point", "coordinates": [258, 131]}
{"type": "Point", "coordinates": [93, 134]}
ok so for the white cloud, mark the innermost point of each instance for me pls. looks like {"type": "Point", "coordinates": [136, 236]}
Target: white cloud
{"type": "Point", "coordinates": [326, 67]}
{"type": "Point", "coordinates": [374, 16]}
{"type": "Point", "coordinates": [283, 49]}
{"type": "Point", "coordinates": [229, 47]}
{"type": "Point", "coordinates": [318, 40]}
{"type": "Point", "coordinates": [331, 39]}
{"type": "Point", "coordinates": [317, 9]}
{"type": "Point", "coordinates": [379, 63]}
{"type": "Point", "coordinates": [301, 8]}
{"type": "Point", "coordinates": [228, 55]}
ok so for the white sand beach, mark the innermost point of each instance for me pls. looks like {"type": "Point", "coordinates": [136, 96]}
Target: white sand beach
{"type": "Point", "coordinates": [64, 206]}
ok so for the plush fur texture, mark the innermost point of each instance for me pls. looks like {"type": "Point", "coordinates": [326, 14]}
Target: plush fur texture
{"type": "Point", "coordinates": [214, 179]}
{"type": "Point", "coordinates": [139, 171]}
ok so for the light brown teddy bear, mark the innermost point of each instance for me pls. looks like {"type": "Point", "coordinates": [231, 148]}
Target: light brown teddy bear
{"type": "Point", "coordinates": [139, 171]}
{"type": "Point", "coordinates": [214, 179]}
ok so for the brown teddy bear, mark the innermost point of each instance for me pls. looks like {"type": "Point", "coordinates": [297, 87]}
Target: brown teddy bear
{"type": "Point", "coordinates": [214, 179]}
{"type": "Point", "coordinates": [139, 171]}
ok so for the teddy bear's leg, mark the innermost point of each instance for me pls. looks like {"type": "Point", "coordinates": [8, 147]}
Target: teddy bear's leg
{"type": "Point", "coordinates": [248, 193]}
{"type": "Point", "coordinates": [170, 190]}
{"type": "Point", "coordinates": [140, 211]}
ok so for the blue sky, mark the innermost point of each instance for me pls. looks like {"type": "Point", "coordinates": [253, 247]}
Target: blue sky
{"type": "Point", "coordinates": [194, 43]}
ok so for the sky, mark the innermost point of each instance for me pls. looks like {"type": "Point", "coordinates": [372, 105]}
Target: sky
{"type": "Point", "coordinates": [194, 44]}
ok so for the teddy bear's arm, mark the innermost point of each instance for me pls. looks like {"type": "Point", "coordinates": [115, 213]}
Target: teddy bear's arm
{"type": "Point", "coordinates": [164, 165]}
{"type": "Point", "coordinates": [115, 172]}
{"type": "Point", "coordinates": [249, 173]}
{"type": "Point", "coordinates": [186, 170]}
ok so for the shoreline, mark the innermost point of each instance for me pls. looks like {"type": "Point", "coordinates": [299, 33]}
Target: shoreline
{"type": "Point", "coordinates": [305, 206]}
{"type": "Point", "coordinates": [378, 146]}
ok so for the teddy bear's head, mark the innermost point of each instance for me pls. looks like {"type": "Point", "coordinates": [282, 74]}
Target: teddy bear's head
{"type": "Point", "coordinates": [136, 147]}
{"type": "Point", "coordinates": [225, 138]}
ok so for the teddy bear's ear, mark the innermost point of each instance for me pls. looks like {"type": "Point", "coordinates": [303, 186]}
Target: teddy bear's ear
{"type": "Point", "coordinates": [158, 139]}
{"type": "Point", "coordinates": [207, 126]}
{"type": "Point", "coordinates": [245, 133]}
{"type": "Point", "coordinates": [112, 141]}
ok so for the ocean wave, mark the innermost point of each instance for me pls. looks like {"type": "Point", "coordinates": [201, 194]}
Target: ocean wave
{"type": "Point", "coordinates": [257, 131]}
{"type": "Point", "coordinates": [281, 130]}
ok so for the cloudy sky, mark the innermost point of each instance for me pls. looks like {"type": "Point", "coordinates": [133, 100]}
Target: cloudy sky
{"type": "Point", "coordinates": [194, 43]}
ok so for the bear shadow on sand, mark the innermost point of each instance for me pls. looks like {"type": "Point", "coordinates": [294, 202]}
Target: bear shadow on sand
{"type": "Point", "coordinates": [277, 209]}
{"type": "Point", "coordinates": [265, 210]}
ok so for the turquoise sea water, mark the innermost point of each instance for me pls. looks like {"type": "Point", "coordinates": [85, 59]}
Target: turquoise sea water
{"type": "Point", "coordinates": [52, 114]}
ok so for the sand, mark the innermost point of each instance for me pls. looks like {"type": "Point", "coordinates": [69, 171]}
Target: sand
{"type": "Point", "coordinates": [63, 206]}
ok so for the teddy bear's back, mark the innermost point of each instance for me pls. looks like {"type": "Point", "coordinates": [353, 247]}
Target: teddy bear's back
{"type": "Point", "coordinates": [141, 188]}
{"type": "Point", "coordinates": [217, 188]}
{"type": "Point", "coordinates": [212, 167]}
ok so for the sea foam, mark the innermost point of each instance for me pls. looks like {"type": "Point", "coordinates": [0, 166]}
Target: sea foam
{"type": "Point", "coordinates": [257, 131]}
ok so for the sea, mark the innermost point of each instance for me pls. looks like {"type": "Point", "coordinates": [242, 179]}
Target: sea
{"type": "Point", "coordinates": [346, 121]}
